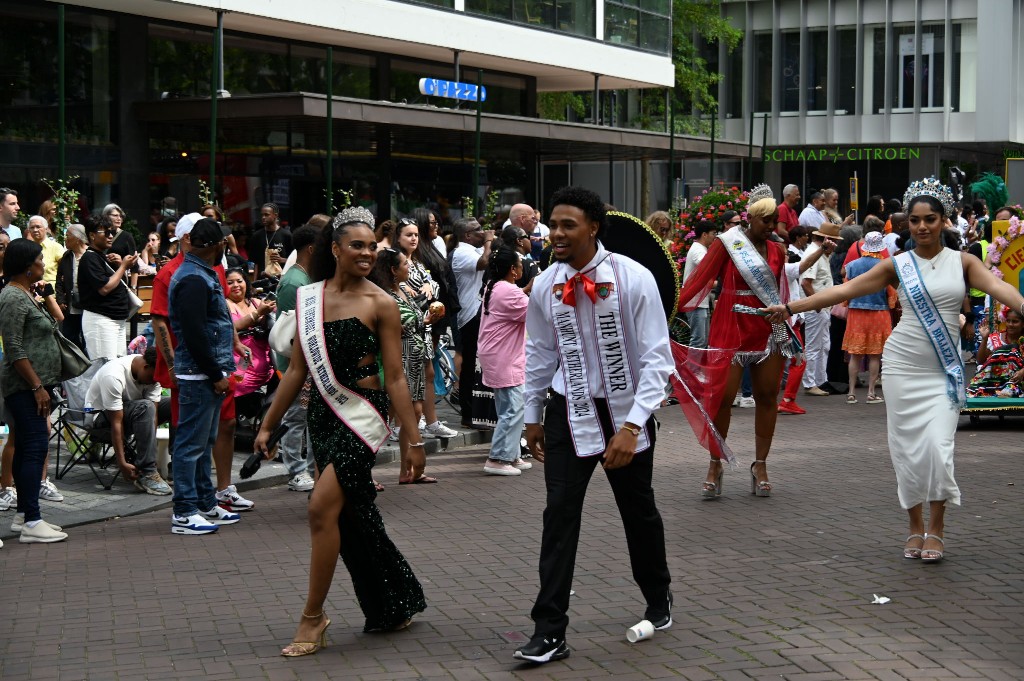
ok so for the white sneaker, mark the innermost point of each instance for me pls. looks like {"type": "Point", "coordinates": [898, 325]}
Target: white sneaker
{"type": "Point", "coordinates": [229, 499]}
{"type": "Point", "coordinates": [746, 402]}
{"type": "Point", "coordinates": [48, 491]}
{"type": "Point", "coordinates": [736, 402]}
{"type": "Point", "coordinates": [500, 468]}
{"type": "Point", "coordinates": [193, 524]}
{"type": "Point", "coordinates": [8, 498]}
{"type": "Point", "coordinates": [394, 434]}
{"type": "Point", "coordinates": [19, 522]}
{"type": "Point", "coordinates": [522, 465]}
{"type": "Point", "coordinates": [1, 543]}
{"type": "Point", "coordinates": [422, 424]}
{"type": "Point", "coordinates": [42, 533]}
{"type": "Point", "coordinates": [438, 429]}
{"type": "Point", "coordinates": [302, 482]}
{"type": "Point", "coordinates": [221, 516]}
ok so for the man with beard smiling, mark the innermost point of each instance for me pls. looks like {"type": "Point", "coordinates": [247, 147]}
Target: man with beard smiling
{"type": "Point", "coordinates": [597, 336]}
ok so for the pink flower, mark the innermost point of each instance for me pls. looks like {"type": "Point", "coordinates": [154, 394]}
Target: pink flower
{"type": "Point", "coordinates": [995, 258]}
{"type": "Point", "coordinates": [998, 272]}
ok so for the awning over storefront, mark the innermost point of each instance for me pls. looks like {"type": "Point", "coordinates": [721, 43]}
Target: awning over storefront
{"type": "Point", "coordinates": [426, 129]}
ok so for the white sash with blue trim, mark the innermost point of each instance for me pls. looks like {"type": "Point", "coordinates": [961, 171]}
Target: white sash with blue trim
{"type": "Point", "coordinates": [759, 277]}
{"type": "Point", "coordinates": [354, 410]}
{"type": "Point", "coordinates": [946, 348]}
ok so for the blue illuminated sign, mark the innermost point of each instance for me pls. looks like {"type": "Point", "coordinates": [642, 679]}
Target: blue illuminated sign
{"type": "Point", "coordinates": [448, 88]}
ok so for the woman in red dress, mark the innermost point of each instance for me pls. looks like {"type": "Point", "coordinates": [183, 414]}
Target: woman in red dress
{"type": "Point", "coordinates": [749, 337]}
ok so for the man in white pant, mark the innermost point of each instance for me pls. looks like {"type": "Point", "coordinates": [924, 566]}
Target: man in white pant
{"type": "Point", "coordinates": [816, 324]}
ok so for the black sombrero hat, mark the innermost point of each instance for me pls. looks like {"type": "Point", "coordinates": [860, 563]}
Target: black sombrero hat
{"type": "Point", "coordinates": [631, 237]}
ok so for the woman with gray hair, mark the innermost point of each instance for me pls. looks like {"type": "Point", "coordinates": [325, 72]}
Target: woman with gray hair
{"type": "Point", "coordinates": [124, 243]}
{"type": "Point", "coordinates": [67, 283]}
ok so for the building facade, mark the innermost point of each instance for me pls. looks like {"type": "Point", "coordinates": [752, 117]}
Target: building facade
{"type": "Point", "coordinates": [139, 74]}
{"type": "Point", "coordinates": [891, 90]}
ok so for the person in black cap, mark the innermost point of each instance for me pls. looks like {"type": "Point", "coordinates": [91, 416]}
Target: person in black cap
{"type": "Point", "coordinates": [202, 364]}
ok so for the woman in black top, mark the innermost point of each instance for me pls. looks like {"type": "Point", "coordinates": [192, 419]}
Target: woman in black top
{"type": "Point", "coordinates": [103, 293]}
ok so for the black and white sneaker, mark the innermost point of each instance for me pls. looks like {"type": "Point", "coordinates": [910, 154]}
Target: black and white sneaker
{"type": "Point", "coordinates": [542, 649]}
{"type": "Point", "coordinates": [661, 620]}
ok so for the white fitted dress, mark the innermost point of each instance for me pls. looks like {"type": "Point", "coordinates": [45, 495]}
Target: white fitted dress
{"type": "Point", "coordinates": [921, 418]}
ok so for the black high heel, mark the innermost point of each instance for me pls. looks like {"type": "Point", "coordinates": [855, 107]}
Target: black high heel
{"type": "Point", "coordinates": [761, 489]}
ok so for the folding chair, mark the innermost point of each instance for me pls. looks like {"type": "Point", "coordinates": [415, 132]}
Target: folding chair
{"type": "Point", "coordinates": [84, 443]}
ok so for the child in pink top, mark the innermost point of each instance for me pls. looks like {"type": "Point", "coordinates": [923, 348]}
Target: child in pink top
{"type": "Point", "coordinates": [502, 354]}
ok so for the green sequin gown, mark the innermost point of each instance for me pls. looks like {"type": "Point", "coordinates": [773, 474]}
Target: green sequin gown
{"type": "Point", "coordinates": [387, 590]}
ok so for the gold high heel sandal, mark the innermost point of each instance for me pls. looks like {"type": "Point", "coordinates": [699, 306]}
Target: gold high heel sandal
{"type": "Point", "coordinates": [301, 648]}
{"type": "Point", "coordinates": [713, 490]}
{"type": "Point", "coordinates": [761, 489]}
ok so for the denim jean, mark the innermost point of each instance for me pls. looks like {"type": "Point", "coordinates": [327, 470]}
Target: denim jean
{"type": "Point", "coordinates": [746, 383]}
{"type": "Point", "coordinates": [699, 322]}
{"type": "Point", "coordinates": [509, 430]}
{"type": "Point", "coordinates": [31, 442]}
{"type": "Point", "coordinates": [198, 417]}
{"type": "Point", "coordinates": [296, 458]}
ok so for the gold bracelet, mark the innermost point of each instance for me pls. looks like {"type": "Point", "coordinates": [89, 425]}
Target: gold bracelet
{"type": "Point", "coordinates": [634, 430]}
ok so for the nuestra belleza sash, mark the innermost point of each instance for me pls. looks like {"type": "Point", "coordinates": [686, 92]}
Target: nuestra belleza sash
{"type": "Point", "coordinates": [578, 329]}
{"type": "Point", "coordinates": [945, 346]}
{"type": "Point", "coordinates": [759, 277]}
{"type": "Point", "coordinates": [349, 406]}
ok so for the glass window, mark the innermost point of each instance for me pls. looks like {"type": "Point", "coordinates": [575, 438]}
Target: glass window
{"type": "Point", "coordinates": [733, 84]}
{"type": "Point", "coordinates": [762, 72]}
{"type": "Point", "coordinates": [569, 16]}
{"type": "Point", "coordinates": [179, 61]}
{"type": "Point", "coordinates": [846, 71]}
{"type": "Point", "coordinates": [790, 71]}
{"type": "Point", "coordinates": [878, 71]}
{"type": "Point", "coordinates": [932, 66]}
{"type": "Point", "coordinates": [628, 22]}
{"type": "Point", "coordinates": [437, 3]}
{"type": "Point", "coordinates": [817, 71]}
{"type": "Point", "coordinates": [965, 61]}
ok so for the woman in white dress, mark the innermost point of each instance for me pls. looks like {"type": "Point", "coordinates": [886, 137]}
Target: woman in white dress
{"type": "Point", "coordinates": [924, 394]}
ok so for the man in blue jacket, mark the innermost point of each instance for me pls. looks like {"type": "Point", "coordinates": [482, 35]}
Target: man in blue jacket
{"type": "Point", "coordinates": [202, 364]}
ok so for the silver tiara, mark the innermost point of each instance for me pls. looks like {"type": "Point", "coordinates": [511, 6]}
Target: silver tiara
{"type": "Point", "coordinates": [933, 188]}
{"type": "Point", "coordinates": [353, 214]}
{"type": "Point", "coordinates": [761, 191]}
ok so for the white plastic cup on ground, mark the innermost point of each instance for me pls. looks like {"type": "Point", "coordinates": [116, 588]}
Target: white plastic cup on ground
{"type": "Point", "coordinates": [641, 631]}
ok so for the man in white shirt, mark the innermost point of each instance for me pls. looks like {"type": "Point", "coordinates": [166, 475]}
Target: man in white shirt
{"type": "Point", "coordinates": [812, 215]}
{"type": "Point", "coordinates": [817, 343]}
{"type": "Point", "coordinates": [698, 319]}
{"type": "Point", "coordinates": [9, 208]}
{"type": "Point", "coordinates": [598, 338]}
{"type": "Point", "coordinates": [126, 402]}
{"type": "Point", "coordinates": [468, 262]}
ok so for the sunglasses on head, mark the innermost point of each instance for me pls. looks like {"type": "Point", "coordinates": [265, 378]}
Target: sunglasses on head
{"type": "Point", "coordinates": [407, 221]}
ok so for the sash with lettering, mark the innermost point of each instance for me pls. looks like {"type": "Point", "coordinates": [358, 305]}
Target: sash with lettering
{"type": "Point", "coordinates": [946, 348]}
{"type": "Point", "coordinates": [600, 323]}
{"type": "Point", "coordinates": [759, 277]}
{"type": "Point", "coordinates": [352, 408]}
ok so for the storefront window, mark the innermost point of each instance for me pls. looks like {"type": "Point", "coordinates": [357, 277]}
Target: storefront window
{"type": "Point", "coordinates": [965, 61]}
{"type": "Point", "coordinates": [179, 61]}
{"type": "Point", "coordinates": [877, 70]}
{"type": "Point", "coordinates": [646, 24]}
{"type": "Point", "coordinates": [436, 3]}
{"type": "Point", "coordinates": [568, 16]}
{"type": "Point", "coordinates": [762, 72]}
{"type": "Point", "coordinates": [817, 74]}
{"type": "Point", "coordinates": [28, 88]}
{"type": "Point", "coordinates": [790, 71]}
{"type": "Point", "coordinates": [846, 71]}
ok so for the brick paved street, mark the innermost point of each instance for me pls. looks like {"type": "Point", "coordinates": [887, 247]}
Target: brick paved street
{"type": "Point", "coordinates": [775, 588]}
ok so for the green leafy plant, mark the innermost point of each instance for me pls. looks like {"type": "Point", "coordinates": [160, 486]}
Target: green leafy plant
{"type": "Point", "coordinates": [342, 199]}
{"type": "Point", "coordinates": [205, 194]}
{"type": "Point", "coordinates": [65, 201]}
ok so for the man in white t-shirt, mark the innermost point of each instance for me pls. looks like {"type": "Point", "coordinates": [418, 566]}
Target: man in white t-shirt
{"type": "Point", "coordinates": [698, 319]}
{"type": "Point", "coordinates": [468, 262]}
{"type": "Point", "coordinates": [126, 402]}
{"type": "Point", "coordinates": [812, 215]}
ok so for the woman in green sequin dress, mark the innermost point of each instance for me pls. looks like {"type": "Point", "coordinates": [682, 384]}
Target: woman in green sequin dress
{"type": "Point", "coordinates": [361, 322]}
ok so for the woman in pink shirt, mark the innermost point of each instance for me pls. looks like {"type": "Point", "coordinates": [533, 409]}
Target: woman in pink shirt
{"type": "Point", "coordinates": [502, 354]}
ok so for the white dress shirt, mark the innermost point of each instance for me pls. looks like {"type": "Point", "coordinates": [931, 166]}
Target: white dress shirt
{"type": "Point", "coordinates": [811, 217]}
{"type": "Point", "coordinates": [468, 279]}
{"type": "Point", "coordinates": [643, 322]}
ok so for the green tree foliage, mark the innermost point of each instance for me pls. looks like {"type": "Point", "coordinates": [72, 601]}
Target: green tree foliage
{"type": "Point", "coordinates": [693, 20]}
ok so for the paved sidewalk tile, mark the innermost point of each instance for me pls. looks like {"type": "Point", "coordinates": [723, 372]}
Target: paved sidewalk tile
{"type": "Point", "coordinates": [776, 588]}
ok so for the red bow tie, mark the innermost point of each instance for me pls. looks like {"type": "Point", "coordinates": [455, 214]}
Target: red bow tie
{"type": "Point", "coordinates": [589, 288]}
